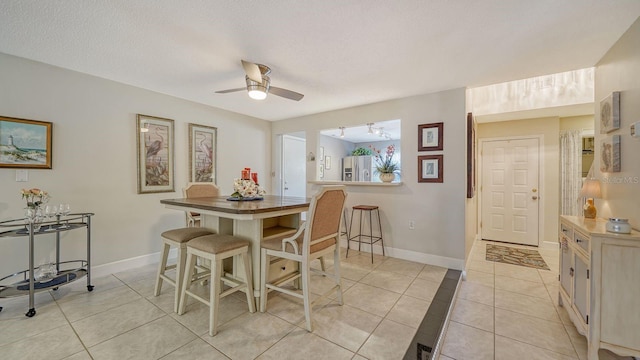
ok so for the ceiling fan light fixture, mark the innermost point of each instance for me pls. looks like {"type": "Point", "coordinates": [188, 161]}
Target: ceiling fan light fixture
{"type": "Point", "coordinates": [256, 90]}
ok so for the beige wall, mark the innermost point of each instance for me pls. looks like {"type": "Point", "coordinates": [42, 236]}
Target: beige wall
{"type": "Point", "coordinates": [549, 128]}
{"type": "Point", "coordinates": [437, 209]}
{"type": "Point", "coordinates": [94, 158]}
{"type": "Point", "coordinates": [584, 122]}
{"type": "Point", "coordinates": [619, 70]}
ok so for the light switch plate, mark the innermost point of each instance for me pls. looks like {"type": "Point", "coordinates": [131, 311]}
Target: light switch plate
{"type": "Point", "coordinates": [22, 175]}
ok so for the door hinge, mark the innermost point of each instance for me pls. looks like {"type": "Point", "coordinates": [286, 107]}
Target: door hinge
{"type": "Point", "coordinates": [480, 224]}
{"type": "Point", "coordinates": [587, 273]}
{"type": "Point", "coordinates": [570, 271]}
{"type": "Point", "coordinates": [587, 319]}
{"type": "Point", "coordinates": [558, 277]}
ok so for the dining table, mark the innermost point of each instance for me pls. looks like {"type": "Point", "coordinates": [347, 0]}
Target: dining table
{"type": "Point", "coordinates": [254, 220]}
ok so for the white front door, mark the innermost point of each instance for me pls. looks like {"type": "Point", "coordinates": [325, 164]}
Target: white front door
{"type": "Point", "coordinates": [510, 191]}
{"type": "Point", "coordinates": [294, 174]}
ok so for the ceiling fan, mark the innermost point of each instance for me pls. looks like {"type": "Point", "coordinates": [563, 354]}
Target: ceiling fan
{"type": "Point", "coordinates": [259, 83]}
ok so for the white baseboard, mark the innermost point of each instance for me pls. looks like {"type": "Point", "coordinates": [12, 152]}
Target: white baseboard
{"type": "Point", "coordinates": [153, 258]}
{"type": "Point", "coordinates": [447, 262]}
{"type": "Point", "coordinates": [128, 264]}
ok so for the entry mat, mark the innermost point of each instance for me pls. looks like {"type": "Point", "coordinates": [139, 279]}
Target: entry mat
{"type": "Point", "coordinates": [514, 256]}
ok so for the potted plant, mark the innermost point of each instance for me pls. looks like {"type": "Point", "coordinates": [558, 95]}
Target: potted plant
{"type": "Point", "coordinates": [360, 151]}
{"type": "Point", "coordinates": [385, 165]}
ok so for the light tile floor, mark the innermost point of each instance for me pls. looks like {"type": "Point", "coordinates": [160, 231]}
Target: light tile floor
{"type": "Point", "coordinates": [505, 311]}
{"type": "Point", "coordinates": [384, 303]}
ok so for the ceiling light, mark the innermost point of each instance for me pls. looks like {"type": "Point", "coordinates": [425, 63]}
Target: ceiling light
{"type": "Point", "coordinates": [256, 90]}
{"type": "Point", "coordinates": [257, 94]}
{"type": "Point", "coordinates": [341, 131]}
{"type": "Point", "coordinates": [370, 129]}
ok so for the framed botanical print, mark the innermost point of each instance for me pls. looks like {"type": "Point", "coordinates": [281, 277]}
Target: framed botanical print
{"type": "Point", "coordinates": [202, 153]}
{"type": "Point", "coordinates": [430, 137]}
{"type": "Point", "coordinates": [610, 113]}
{"type": "Point", "coordinates": [430, 168]}
{"type": "Point", "coordinates": [155, 144]}
{"type": "Point", "coordinates": [610, 154]}
{"type": "Point", "coordinates": [25, 144]}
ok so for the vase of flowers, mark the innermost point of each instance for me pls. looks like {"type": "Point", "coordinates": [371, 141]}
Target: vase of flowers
{"type": "Point", "coordinates": [33, 212]}
{"type": "Point", "coordinates": [385, 165]}
{"type": "Point", "coordinates": [246, 189]}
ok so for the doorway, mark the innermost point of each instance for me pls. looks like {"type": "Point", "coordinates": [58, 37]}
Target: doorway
{"type": "Point", "coordinates": [294, 172]}
{"type": "Point", "coordinates": [509, 190]}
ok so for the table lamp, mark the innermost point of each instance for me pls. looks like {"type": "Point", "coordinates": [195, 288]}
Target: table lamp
{"type": "Point", "coordinates": [590, 190]}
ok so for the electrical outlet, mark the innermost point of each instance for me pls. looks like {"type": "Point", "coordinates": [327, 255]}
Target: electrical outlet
{"type": "Point", "coordinates": [412, 225]}
{"type": "Point", "coordinates": [22, 175]}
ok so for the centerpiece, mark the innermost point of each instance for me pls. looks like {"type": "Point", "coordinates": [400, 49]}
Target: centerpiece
{"type": "Point", "coordinates": [246, 189]}
{"type": "Point", "coordinates": [386, 166]}
{"type": "Point", "coordinates": [33, 212]}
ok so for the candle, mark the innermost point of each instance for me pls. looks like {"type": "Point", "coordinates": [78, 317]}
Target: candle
{"type": "Point", "coordinates": [254, 177]}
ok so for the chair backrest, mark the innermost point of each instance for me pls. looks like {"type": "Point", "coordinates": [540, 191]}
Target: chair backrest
{"type": "Point", "coordinates": [198, 190]}
{"type": "Point", "coordinates": [323, 224]}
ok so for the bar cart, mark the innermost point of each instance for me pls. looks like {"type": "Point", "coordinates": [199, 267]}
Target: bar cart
{"type": "Point", "coordinates": [36, 279]}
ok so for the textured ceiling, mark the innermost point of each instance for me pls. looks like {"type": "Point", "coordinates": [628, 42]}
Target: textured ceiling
{"type": "Point", "coordinates": [338, 53]}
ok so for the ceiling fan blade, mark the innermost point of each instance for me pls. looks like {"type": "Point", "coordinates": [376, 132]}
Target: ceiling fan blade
{"type": "Point", "coordinates": [252, 70]}
{"type": "Point", "coordinates": [285, 93]}
{"type": "Point", "coordinates": [230, 90]}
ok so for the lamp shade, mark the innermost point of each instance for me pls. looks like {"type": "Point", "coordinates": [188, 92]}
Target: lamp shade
{"type": "Point", "coordinates": [591, 189]}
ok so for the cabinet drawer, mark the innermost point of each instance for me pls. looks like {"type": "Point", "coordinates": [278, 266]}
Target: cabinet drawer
{"type": "Point", "coordinates": [581, 240]}
{"type": "Point", "coordinates": [566, 230]}
{"type": "Point", "coordinates": [281, 268]}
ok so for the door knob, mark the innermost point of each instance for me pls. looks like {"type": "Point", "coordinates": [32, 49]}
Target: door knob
{"type": "Point", "coordinates": [534, 190]}
{"type": "Point", "coordinates": [534, 197]}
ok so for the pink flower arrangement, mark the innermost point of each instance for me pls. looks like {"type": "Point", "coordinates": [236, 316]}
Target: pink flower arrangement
{"type": "Point", "coordinates": [386, 164]}
{"type": "Point", "coordinates": [35, 197]}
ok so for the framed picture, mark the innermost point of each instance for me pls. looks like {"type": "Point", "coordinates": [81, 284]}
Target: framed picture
{"type": "Point", "coordinates": [327, 162]}
{"type": "Point", "coordinates": [155, 142]}
{"type": "Point", "coordinates": [471, 157]}
{"type": "Point", "coordinates": [610, 154]}
{"type": "Point", "coordinates": [321, 173]}
{"type": "Point", "coordinates": [25, 143]}
{"type": "Point", "coordinates": [202, 153]}
{"type": "Point", "coordinates": [610, 113]}
{"type": "Point", "coordinates": [430, 137]}
{"type": "Point", "coordinates": [430, 168]}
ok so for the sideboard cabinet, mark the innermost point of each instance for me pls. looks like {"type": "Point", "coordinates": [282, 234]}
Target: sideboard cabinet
{"type": "Point", "coordinates": [600, 284]}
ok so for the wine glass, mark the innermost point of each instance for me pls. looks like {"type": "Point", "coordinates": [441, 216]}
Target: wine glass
{"type": "Point", "coordinates": [50, 211]}
{"type": "Point", "coordinates": [65, 209]}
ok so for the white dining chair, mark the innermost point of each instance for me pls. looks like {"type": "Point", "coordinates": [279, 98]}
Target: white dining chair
{"type": "Point", "coordinates": [198, 190]}
{"type": "Point", "coordinates": [319, 236]}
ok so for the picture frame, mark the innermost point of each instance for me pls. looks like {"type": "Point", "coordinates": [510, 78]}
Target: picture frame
{"type": "Point", "coordinates": [25, 144]}
{"type": "Point", "coordinates": [610, 154]}
{"type": "Point", "coordinates": [471, 157]}
{"type": "Point", "coordinates": [430, 137]}
{"type": "Point", "coordinates": [430, 168]}
{"type": "Point", "coordinates": [610, 113]}
{"type": "Point", "coordinates": [327, 162]}
{"type": "Point", "coordinates": [321, 154]}
{"type": "Point", "coordinates": [155, 148]}
{"type": "Point", "coordinates": [203, 153]}
{"type": "Point", "coordinates": [321, 173]}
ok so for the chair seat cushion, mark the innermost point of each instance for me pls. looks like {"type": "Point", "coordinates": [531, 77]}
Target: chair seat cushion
{"type": "Point", "coordinates": [365, 207]}
{"type": "Point", "coordinates": [216, 244]}
{"type": "Point", "coordinates": [276, 244]}
{"type": "Point", "coordinates": [185, 234]}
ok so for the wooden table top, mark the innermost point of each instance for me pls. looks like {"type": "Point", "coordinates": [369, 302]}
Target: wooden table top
{"type": "Point", "coordinates": [270, 203]}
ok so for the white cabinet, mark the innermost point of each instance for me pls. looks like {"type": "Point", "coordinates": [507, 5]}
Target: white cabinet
{"type": "Point", "coordinates": [600, 284]}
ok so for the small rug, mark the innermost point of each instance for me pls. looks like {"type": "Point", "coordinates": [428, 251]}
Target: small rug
{"type": "Point", "coordinates": [522, 257]}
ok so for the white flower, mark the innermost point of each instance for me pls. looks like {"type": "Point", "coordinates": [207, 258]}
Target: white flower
{"type": "Point", "coordinates": [247, 188]}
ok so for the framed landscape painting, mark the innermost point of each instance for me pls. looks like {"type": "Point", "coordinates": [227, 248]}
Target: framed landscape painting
{"type": "Point", "coordinates": [202, 153]}
{"type": "Point", "coordinates": [155, 142]}
{"type": "Point", "coordinates": [25, 143]}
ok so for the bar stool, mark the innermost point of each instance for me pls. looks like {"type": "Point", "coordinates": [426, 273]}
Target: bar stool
{"type": "Point", "coordinates": [372, 239]}
{"type": "Point", "coordinates": [216, 248]}
{"type": "Point", "coordinates": [177, 238]}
